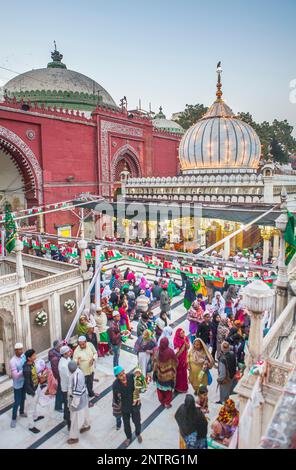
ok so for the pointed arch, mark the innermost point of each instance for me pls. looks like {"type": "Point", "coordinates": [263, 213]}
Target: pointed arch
{"type": "Point", "coordinates": [25, 160]}
{"type": "Point", "coordinates": [125, 155]}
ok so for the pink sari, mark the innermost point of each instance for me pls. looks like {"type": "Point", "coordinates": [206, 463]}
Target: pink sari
{"type": "Point", "coordinates": [181, 385]}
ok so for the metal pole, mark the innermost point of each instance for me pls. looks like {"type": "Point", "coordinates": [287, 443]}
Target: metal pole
{"type": "Point", "coordinates": [81, 307]}
{"type": "Point", "coordinates": [98, 272]}
{"type": "Point", "coordinates": [82, 223]}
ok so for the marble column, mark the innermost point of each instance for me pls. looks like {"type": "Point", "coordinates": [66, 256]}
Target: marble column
{"type": "Point", "coordinates": [257, 297]}
{"type": "Point", "coordinates": [276, 243]}
{"type": "Point", "coordinates": [281, 283]}
{"type": "Point", "coordinates": [152, 232]}
{"type": "Point", "coordinates": [226, 248]}
{"type": "Point", "coordinates": [266, 246]}
{"type": "Point", "coordinates": [23, 300]}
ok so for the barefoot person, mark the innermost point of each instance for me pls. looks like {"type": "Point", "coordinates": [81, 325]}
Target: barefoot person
{"type": "Point", "coordinates": [123, 396]}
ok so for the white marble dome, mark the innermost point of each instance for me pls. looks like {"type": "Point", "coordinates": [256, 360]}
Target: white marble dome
{"type": "Point", "coordinates": [219, 140]}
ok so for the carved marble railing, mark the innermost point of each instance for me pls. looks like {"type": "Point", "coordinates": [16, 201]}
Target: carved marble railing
{"type": "Point", "coordinates": [8, 279]}
{"type": "Point", "coordinates": [52, 280]}
{"type": "Point", "coordinates": [41, 263]}
{"type": "Point", "coordinates": [282, 326]}
{"type": "Point", "coordinates": [277, 374]}
{"type": "Point", "coordinates": [281, 431]}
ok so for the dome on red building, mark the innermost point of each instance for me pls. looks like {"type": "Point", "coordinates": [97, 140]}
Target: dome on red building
{"type": "Point", "coordinates": [58, 86]}
{"type": "Point", "coordinates": [161, 122]}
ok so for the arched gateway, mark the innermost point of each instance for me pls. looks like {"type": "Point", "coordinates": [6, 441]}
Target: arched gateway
{"type": "Point", "coordinates": [21, 174]}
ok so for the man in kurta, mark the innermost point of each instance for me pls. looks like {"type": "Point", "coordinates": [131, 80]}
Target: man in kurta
{"type": "Point", "coordinates": [78, 403]}
{"type": "Point", "coordinates": [85, 355]}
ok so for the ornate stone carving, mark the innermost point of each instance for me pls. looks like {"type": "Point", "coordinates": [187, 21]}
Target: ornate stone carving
{"type": "Point", "coordinates": [30, 134]}
{"type": "Point", "coordinates": [277, 376]}
{"type": "Point", "coordinates": [106, 127]}
{"type": "Point", "coordinates": [52, 280]}
{"type": "Point", "coordinates": [28, 156]}
{"type": "Point", "coordinates": [7, 303]}
{"type": "Point", "coordinates": [125, 149]}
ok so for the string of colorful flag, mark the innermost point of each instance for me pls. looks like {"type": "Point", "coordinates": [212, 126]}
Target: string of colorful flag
{"type": "Point", "coordinates": [210, 273]}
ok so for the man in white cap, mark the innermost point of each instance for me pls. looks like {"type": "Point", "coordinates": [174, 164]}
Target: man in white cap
{"type": "Point", "coordinates": [65, 380]}
{"type": "Point", "coordinates": [85, 355]}
{"type": "Point", "coordinates": [78, 403]}
{"type": "Point", "coordinates": [16, 369]}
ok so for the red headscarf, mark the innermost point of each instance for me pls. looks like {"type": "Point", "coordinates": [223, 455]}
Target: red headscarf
{"type": "Point", "coordinates": [165, 352]}
{"type": "Point", "coordinates": [178, 341]}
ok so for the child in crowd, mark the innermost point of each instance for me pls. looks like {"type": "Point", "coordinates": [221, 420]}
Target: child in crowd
{"type": "Point", "coordinates": [202, 401]}
{"type": "Point", "coordinates": [140, 386]}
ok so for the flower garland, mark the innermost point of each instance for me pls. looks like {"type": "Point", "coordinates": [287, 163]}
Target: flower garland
{"type": "Point", "coordinates": [70, 305]}
{"type": "Point", "coordinates": [41, 318]}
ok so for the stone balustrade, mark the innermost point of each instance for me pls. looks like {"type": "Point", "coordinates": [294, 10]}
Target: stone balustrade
{"type": "Point", "coordinates": [282, 328]}
{"type": "Point", "coordinates": [52, 280]}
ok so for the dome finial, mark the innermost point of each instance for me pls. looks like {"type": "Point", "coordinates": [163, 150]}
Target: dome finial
{"type": "Point", "coordinates": [56, 59]}
{"type": "Point", "coordinates": [219, 83]}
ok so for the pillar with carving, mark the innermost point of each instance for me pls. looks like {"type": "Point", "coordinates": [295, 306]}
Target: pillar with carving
{"type": "Point", "coordinates": [266, 233]}
{"type": "Point", "coordinates": [23, 300]}
{"type": "Point", "coordinates": [281, 284]}
{"type": "Point", "coordinates": [152, 225]}
{"type": "Point", "coordinates": [276, 243]}
{"type": "Point", "coordinates": [258, 297]}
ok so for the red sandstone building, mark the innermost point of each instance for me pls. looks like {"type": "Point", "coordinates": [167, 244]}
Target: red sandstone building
{"type": "Point", "coordinates": [61, 134]}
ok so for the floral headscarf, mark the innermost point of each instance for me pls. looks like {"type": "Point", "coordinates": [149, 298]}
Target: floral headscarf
{"type": "Point", "coordinates": [226, 417]}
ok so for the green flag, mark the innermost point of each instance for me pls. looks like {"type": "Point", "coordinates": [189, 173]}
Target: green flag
{"type": "Point", "coordinates": [10, 229]}
{"type": "Point", "coordinates": [289, 237]}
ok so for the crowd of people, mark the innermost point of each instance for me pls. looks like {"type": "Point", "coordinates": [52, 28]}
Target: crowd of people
{"type": "Point", "coordinates": [218, 326]}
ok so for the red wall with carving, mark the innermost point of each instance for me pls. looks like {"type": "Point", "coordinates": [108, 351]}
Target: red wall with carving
{"type": "Point", "coordinates": [87, 151]}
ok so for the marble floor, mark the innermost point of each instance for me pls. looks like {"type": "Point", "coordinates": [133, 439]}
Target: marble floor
{"type": "Point", "coordinates": [159, 426]}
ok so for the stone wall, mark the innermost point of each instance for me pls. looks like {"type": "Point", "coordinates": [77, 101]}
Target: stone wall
{"type": "Point", "coordinates": [40, 335]}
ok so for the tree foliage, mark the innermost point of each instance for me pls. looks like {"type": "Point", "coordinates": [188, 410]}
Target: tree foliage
{"type": "Point", "coordinates": [191, 114]}
{"type": "Point", "coordinates": [276, 138]}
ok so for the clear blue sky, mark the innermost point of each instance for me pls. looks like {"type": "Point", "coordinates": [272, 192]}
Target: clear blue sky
{"type": "Point", "coordinates": [163, 51]}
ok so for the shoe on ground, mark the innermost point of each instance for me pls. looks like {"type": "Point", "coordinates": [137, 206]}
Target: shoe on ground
{"type": "Point", "coordinates": [38, 419]}
{"type": "Point", "coordinates": [168, 406]}
{"type": "Point", "coordinates": [72, 441]}
{"type": "Point", "coordinates": [219, 403]}
{"type": "Point", "coordinates": [13, 423]}
{"type": "Point", "coordinates": [97, 395]}
{"type": "Point", "coordinates": [118, 428]}
{"type": "Point", "coordinates": [140, 439]}
{"type": "Point", "coordinates": [23, 415]}
{"type": "Point", "coordinates": [127, 442]}
{"type": "Point", "coordinates": [82, 430]}
{"type": "Point", "coordinates": [91, 405]}
{"type": "Point", "coordinates": [34, 430]}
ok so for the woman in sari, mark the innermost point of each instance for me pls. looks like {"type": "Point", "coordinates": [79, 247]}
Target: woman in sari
{"type": "Point", "coordinates": [181, 346]}
{"type": "Point", "coordinates": [222, 333]}
{"type": "Point", "coordinates": [226, 423]}
{"type": "Point", "coordinates": [164, 372]}
{"type": "Point", "coordinates": [193, 426]}
{"type": "Point", "coordinates": [144, 347]}
{"type": "Point", "coordinates": [199, 361]}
